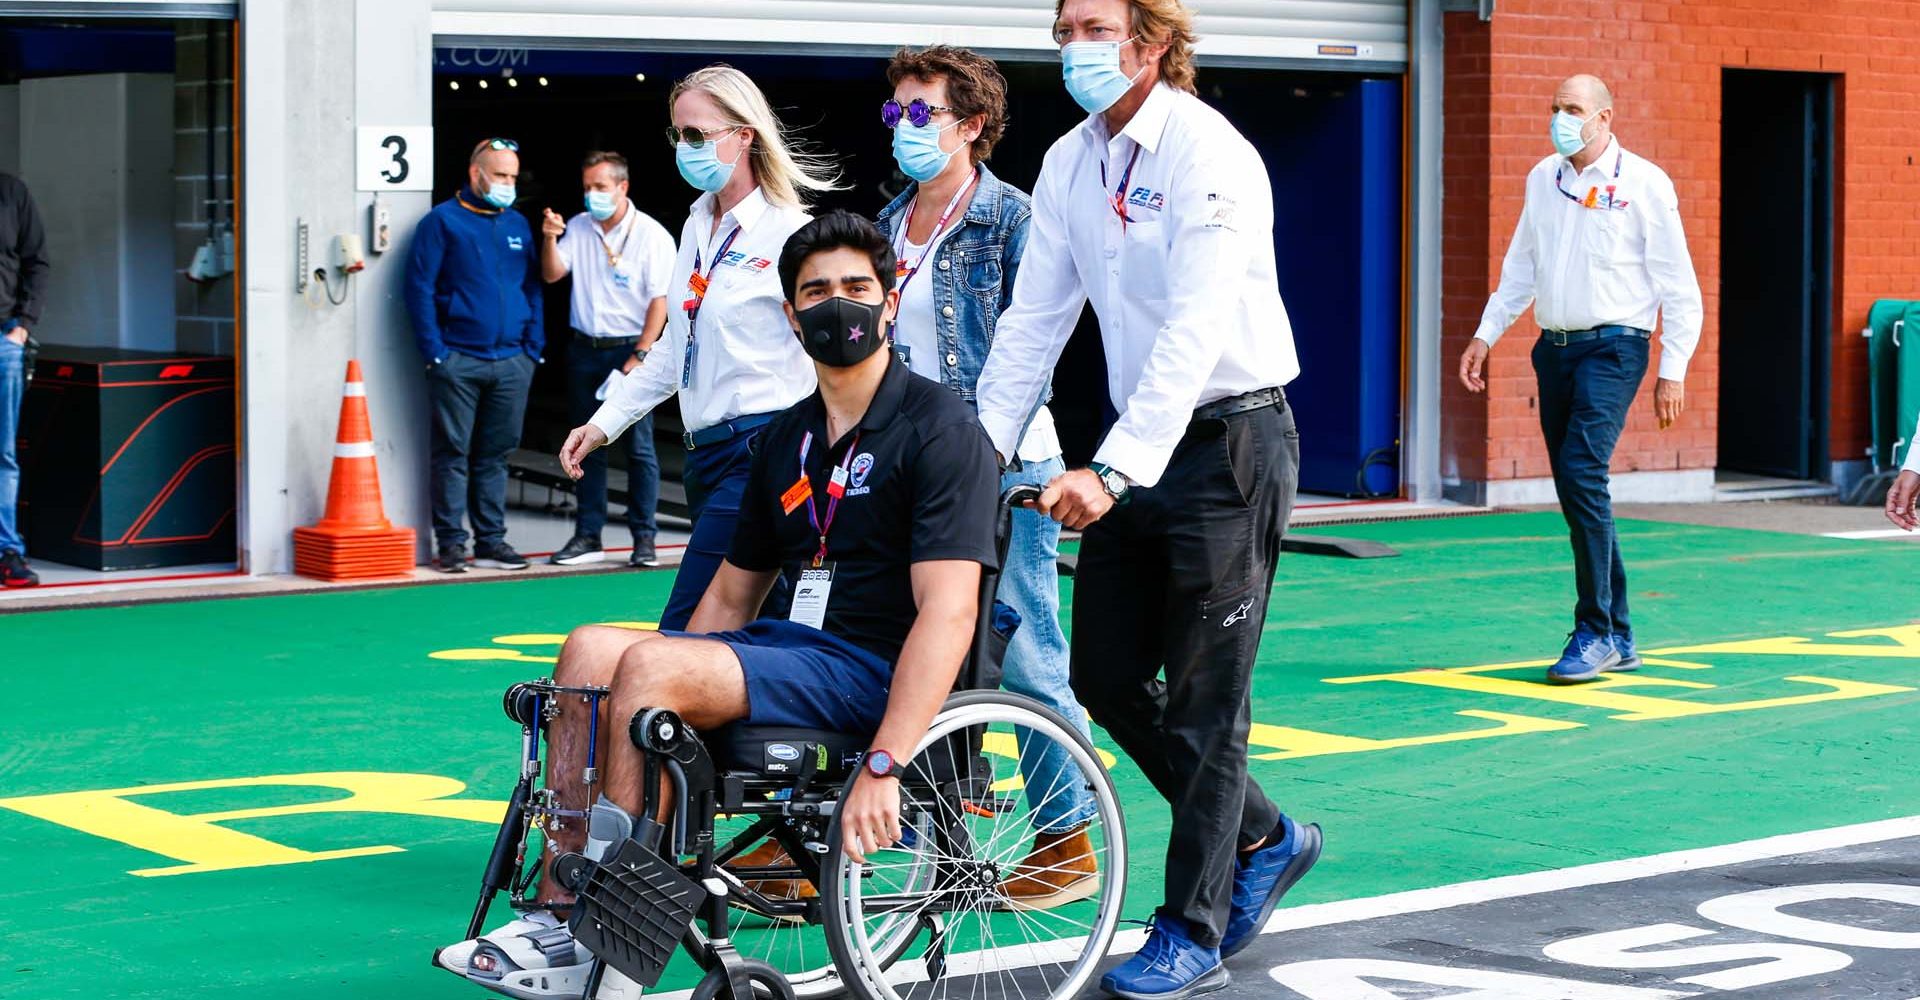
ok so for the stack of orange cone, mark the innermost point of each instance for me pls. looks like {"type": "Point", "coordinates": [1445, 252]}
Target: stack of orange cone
{"type": "Point", "coordinates": [354, 540]}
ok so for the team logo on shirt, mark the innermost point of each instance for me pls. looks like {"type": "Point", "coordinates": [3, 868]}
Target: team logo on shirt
{"type": "Point", "coordinates": [1147, 198]}
{"type": "Point", "coordinates": [513, 243]}
{"type": "Point", "coordinates": [862, 465]}
{"type": "Point", "coordinates": [737, 258]}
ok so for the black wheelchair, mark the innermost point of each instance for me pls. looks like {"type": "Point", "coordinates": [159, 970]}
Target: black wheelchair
{"type": "Point", "coordinates": [795, 918]}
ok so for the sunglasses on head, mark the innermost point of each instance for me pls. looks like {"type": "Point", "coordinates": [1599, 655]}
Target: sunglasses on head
{"type": "Point", "coordinates": [916, 111]}
{"type": "Point", "coordinates": [697, 137]}
{"type": "Point", "coordinates": [506, 144]}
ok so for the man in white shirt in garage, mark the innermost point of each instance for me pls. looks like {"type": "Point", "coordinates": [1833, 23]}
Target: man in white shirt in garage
{"type": "Point", "coordinates": [1600, 255]}
{"type": "Point", "coordinates": [1158, 212]}
{"type": "Point", "coordinates": [622, 262]}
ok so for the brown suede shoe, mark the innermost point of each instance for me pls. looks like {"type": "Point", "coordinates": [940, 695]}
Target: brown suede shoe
{"type": "Point", "coordinates": [771, 855]}
{"type": "Point", "coordinates": [1059, 870]}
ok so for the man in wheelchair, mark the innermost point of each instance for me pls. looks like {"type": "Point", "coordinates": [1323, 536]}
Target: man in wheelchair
{"type": "Point", "coordinates": [880, 490]}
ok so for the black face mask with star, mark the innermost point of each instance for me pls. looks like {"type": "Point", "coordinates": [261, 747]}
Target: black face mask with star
{"type": "Point", "coordinates": [840, 332]}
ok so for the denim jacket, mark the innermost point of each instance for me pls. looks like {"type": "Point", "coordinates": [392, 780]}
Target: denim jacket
{"type": "Point", "coordinates": [973, 274]}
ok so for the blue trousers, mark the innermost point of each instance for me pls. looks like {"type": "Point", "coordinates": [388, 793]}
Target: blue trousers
{"type": "Point", "coordinates": [478, 406]}
{"type": "Point", "coordinates": [1585, 390]}
{"type": "Point", "coordinates": [587, 368]}
{"type": "Point", "coordinates": [12, 384]}
{"type": "Point", "coordinates": [716, 478]}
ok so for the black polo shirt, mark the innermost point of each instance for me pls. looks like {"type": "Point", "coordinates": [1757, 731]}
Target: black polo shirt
{"type": "Point", "coordinates": [922, 486]}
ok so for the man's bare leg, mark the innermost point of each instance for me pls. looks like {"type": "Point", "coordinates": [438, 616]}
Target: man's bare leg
{"type": "Point", "coordinates": [590, 658]}
{"type": "Point", "coordinates": [700, 679]}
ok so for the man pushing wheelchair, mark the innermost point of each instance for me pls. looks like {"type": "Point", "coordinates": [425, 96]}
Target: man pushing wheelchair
{"type": "Point", "coordinates": [879, 490]}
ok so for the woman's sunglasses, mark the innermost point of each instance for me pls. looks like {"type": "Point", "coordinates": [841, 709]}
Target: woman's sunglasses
{"type": "Point", "coordinates": [917, 112]}
{"type": "Point", "coordinates": [695, 137]}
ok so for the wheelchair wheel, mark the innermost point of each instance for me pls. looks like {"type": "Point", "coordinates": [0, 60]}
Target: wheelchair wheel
{"type": "Point", "coordinates": [981, 922]}
{"type": "Point", "coordinates": [798, 950]}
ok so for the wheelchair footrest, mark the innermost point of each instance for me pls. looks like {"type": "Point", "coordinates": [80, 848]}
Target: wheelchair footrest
{"type": "Point", "coordinates": [633, 911]}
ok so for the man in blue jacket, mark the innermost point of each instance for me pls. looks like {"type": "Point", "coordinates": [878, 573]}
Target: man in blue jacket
{"type": "Point", "coordinates": [473, 288]}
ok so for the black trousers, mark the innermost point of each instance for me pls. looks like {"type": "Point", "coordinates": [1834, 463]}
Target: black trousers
{"type": "Point", "coordinates": [1176, 580]}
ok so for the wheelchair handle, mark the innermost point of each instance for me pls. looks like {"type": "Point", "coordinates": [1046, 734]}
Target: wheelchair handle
{"type": "Point", "coordinates": [1019, 495]}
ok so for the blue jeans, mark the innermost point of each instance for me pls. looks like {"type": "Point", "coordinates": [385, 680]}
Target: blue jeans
{"type": "Point", "coordinates": [587, 367]}
{"type": "Point", "coordinates": [478, 406]}
{"type": "Point", "coordinates": [1585, 390]}
{"type": "Point", "coordinates": [716, 479]}
{"type": "Point", "coordinates": [1036, 664]}
{"type": "Point", "coordinates": [12, 384]}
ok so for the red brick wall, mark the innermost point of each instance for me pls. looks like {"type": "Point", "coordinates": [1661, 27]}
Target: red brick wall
{"type": "Point", "coordinates": [1663, 60]}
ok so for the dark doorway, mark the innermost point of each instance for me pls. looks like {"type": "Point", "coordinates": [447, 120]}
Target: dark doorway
{"type": "Point", "coordinates": [1776, 277]}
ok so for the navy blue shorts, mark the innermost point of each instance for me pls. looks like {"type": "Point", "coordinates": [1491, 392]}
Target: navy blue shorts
{"type": "Point", "coordinates": [800, 676]}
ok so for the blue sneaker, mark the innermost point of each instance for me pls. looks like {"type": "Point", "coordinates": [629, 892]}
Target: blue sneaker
{"type": "Point", "coordinates": [1261, 878]}
{"type": "Point", "coordinates": [1629, 658]}
{"type": "Point", "coordinates": [1586, 657]}
{"type": "Point", "coordinates": [1170, 966]}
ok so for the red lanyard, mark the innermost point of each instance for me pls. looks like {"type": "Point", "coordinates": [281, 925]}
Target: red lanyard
{"type": "Point", "coordinates": [836, 488]}
{"type": "Point", "coordinates": [900, 269]}
{"type": "Point", "coordinates": [1119, 201]}
{"type": "Point", "coordinates": [697, 288]}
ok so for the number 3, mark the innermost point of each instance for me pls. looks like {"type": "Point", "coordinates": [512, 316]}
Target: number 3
{"type": "Point", "coordinates": [399, 147]}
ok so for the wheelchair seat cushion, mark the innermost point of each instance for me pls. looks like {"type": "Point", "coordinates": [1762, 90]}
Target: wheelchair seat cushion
{"type": "Point", "coordinates": [781, 751]}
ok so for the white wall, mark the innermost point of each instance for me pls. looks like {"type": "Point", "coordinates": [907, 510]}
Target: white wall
{"type": "Point", "coordinates": [97, 153]}
{"type": "Point", "coordinates": [314, 69]}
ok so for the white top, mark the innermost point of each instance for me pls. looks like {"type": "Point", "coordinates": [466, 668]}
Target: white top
{"type": "Point", "coordinates": [745, 357]}
{"type": "Point", "coordinates": [611, 300]}
{"type": "Point", "coordinates": [916, 330]}
{"type": "Point", "coordinates": [1913, 452]}
{"type": "Point", "coordinates": [1623, 262]}
{"type": "Point", "coordinates": [1187, 292]}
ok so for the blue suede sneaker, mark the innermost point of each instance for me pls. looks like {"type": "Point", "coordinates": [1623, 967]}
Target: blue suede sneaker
{"type": "Point", "coordinates": [1170, 966]}
{"type": "Point", "coordinates": [1586, 657]}
{"type": "Point", "coordinates": [1629, 657]}
{"type": "Point", "coordinates": [1261, 878]}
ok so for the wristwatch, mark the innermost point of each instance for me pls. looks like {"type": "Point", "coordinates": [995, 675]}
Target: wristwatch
{"type": "Point", "coordinates": [639, 354]}
{"type": "Point", "coordinates": [1113, 481]}
{"type": "Point", "coordinates": [880, 764]}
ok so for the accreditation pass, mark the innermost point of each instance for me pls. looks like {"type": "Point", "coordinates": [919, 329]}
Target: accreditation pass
{"type": "Point", "coordinates": [810, 596]}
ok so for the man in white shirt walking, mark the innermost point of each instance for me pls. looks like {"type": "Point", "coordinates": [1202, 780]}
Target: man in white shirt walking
{"type": "Point", "coordinates": [622, 262]}
{"type": "Point", "coordinates": [1158, 212]}
{"type": "Point", "coordinates": [1600, 255]}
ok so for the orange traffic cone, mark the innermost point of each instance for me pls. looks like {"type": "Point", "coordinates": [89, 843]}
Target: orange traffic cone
{"type": "Point", "coordinates": [354, 540]}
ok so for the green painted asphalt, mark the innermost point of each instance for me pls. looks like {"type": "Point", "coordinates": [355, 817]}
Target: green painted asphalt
{"type": "Point", "coordinates": [159, 694]}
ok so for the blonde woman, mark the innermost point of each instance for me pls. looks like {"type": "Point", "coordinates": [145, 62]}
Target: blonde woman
{"type": "Point", "coordinates": [729, 353]}
{"type": "Point", "coordinates": [727, 349]}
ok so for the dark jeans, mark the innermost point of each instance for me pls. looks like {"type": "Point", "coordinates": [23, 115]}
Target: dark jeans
{"type": "Point", "coordinates": [587, 368]}
{"type": "Point", "coordinates": [1585, 390]}
{"type": "Point", "coordinates": [1178, 579]}
{"type": "Point", "coordinates": [716, 479]}
{"type": "Point", "coordinates": [477, 410]}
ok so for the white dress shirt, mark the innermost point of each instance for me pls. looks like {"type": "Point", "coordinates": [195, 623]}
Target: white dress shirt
{"type": "Point", "coordinates": [1186, 292]}
{"type": "Point", "coordinates": [611, 300]}
{"type": "Point", "coordinates": [746, 359]}
{"type": "Point", "coordinates": [1622, 262]}
{"type": "Point", "coordinates": [917, 330]}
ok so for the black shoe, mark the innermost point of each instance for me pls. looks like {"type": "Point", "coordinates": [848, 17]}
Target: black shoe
{"type": "Point", "coordinates": [499, 555]}
{"type": "Point", "coordinates": [14, 571]}
{"type": "Point", "coordinates": [452, 559]}
{"type": "Point", "coordinates": [579, 549]}
{"type": "Point", "coordinates": [643, 554]}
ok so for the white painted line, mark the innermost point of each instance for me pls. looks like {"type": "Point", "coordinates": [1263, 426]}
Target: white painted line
{"type": "Point", "coordinates": [1512, 886]}
{"type": "Point", "coordinates": [1602, 873]}
{"type": "Point", "coordinates": [1874, 533]}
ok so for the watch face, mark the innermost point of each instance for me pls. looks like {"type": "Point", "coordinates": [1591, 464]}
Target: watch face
{"type": "Point", "coordinates": [880, 762]}
{"type": "Point", "coordinates": [1114, 483]}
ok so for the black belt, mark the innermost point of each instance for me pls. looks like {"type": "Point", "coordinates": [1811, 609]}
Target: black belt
{"type": "Point", "coordinates": [1256, 400]}
{"type": "Point", "coordinates": [707, 437]}
{"type": "Point", "coordinates": [606, 341]}
{"type": "Point", "coordinates": [1561, 338]}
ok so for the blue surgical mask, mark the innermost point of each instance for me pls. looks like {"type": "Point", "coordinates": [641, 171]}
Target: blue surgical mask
{"type": "Point", "coordinates": [1567, 132]}
{"type": "Point", "coordinates": [702, 167]}
{"type": "Point", "coordinates": [1092, 72]}
{"type": "Point", "coordinates": [500, 195]}
{"type": "Point", "coordinates": [601, 205]}
{"type": "Point", "coordinates": [918, 151]}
